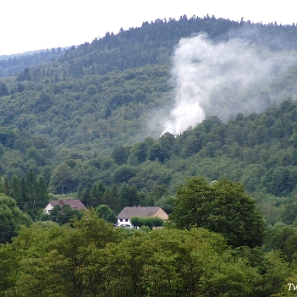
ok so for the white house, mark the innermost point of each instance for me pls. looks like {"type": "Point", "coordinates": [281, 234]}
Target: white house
{"type": "Point", "coordinates": [74, 204]}
{"type": "Point", "coordinates": [123, 218]}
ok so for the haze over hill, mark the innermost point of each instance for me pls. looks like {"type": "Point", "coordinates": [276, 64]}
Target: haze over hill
{"type": "Point", "coordinates": [100, 108]}
{"type": "Point", "coordinates": [84, 125]}
{"type": "Point", "coordinates": [226, 78]}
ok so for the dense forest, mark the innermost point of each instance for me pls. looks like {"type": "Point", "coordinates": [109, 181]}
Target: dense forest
{"type": "Point", "coordinates": [83, 123]}
{"type": "Point", "coordinates": [13, 64]}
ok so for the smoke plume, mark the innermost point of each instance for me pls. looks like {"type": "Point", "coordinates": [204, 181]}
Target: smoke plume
{"type": "Point", "coordinates": [226, 78]}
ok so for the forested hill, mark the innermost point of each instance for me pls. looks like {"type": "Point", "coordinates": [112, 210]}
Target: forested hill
{"type": "Point", "coordinates": [260, 151]}
{"type": "Point", "coordinates": [85, 126]}
{"type": "Point", "coordinates": [13, 64]}
{"type": "Point", "coordinates": [152, 43]}
{"type": "Point", "coordinates": [96, 102]}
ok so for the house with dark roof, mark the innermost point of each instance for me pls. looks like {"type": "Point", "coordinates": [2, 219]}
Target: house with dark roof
{"type": "Point", "coordinates": [74, 204]}
{"type": "Point", "coordinates": [123, 218]}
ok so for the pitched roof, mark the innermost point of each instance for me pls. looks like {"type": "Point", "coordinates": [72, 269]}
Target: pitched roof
{"type": "Point", "coordinates": [76, 204]}
{"type": "Point", "coordinates": [138, 211]}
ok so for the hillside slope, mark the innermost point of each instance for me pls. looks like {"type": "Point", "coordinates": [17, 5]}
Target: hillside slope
{"type": "Point", "coordinates": [13, 64]}
{"type": "Point", "coordinates": [101, 100]}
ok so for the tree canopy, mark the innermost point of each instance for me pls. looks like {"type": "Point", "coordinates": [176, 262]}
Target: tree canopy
{"type": "Point", "coordinates": [92, 258]}
{"type": "Point", "coordinates": [82, 122]}
{"type": "Point", "coordinates": [11, 218]}
{"type": "Point", "coordinates": [221, 206]}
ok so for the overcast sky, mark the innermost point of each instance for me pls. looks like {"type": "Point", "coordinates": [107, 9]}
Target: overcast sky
{"type": "Point", "coordinates": [28, 25]}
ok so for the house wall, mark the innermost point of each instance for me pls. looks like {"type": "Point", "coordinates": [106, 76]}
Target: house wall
{"type": "Point", "coordinates": [48, 208]}
{"type": "Point", "coordinates": [161, 214]}
{"type": "Point", "coordinates": [124, 221]}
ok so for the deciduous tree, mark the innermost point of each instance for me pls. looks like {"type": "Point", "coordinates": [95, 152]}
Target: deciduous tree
{"type": "Point", "coordinates": [60, 178]}
{"type": "Point", "coordinates": [223, 207]}
{"type": "Point", "coordinates": [11, 218]}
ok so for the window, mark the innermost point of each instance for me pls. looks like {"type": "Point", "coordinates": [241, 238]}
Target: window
{"type": "Point", "coordinates": [126, 220]}
{"type": "Point", "coordinates": [121, 220]}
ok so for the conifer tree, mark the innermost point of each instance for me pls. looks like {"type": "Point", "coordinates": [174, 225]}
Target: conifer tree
{"type": "Point", "coordinates": [1, 185]}
{"type": "Point", "coordinates": [6, 186]}
{"type": "Point", "coordinates": [16, 189]}
{"type": "Point", "coordinates": [112, 198]}
{"type": "Point", "coordinates": [25, 190]}
{"type": "Point", "coordinates": [97, 193]}
{"type": "Point", "coordinates": [42, 193]}
{"type": "Point", "coordinates": [32, 185]}
{"type": "Point", "coordinates": [85, 197]}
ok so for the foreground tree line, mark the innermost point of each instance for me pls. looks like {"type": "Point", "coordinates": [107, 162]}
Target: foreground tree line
{"type": "Point", "coordinates": [214, 244]}
{"type": "Point", "coordinates": [91, 258]}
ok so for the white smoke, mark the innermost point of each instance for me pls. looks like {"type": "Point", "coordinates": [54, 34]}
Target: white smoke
{"type": "Point", "coordinates": [224, 79]}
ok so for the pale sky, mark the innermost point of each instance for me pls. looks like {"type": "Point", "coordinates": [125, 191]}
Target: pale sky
{"type": "Point", "coordinates": [28, 25]}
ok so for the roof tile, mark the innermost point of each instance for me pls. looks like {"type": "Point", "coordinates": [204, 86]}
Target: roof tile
{"type": "Point", "coordinates": [138, 211]}
{"type": "Point", "coordinates": [76, 204]}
